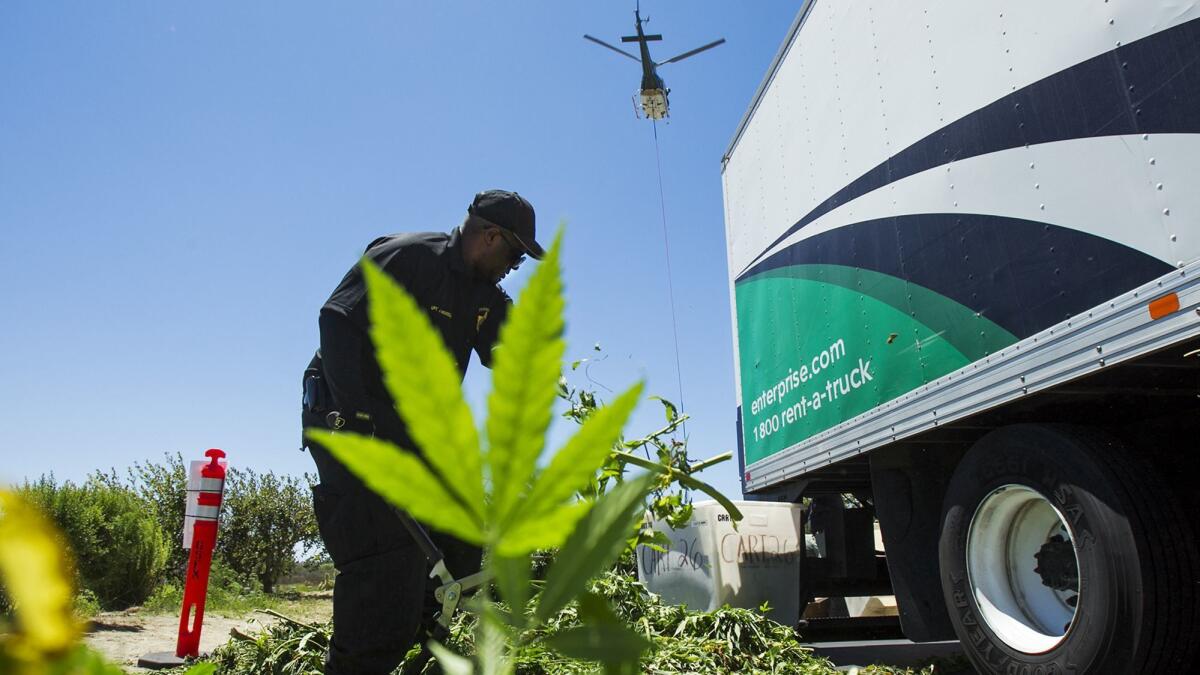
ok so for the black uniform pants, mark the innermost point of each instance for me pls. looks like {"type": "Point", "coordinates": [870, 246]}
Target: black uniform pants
{"type": "Point", "coordinates": [382, 595]}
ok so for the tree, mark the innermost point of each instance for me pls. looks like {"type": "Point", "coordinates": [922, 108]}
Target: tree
{"type": "Point", "coordinates": [164, 489]}
{"type": "Point", "coordinates": [265, 517]}
{"type": "Point", "coordinates": [119, 547]}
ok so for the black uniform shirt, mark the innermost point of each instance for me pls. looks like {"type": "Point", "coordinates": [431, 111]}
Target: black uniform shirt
{"type": "Point", "coordinates": [429, 265]}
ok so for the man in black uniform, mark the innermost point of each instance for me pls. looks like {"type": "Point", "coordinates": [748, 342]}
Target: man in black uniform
{"type": "Point", "coordinates": [382, 596]}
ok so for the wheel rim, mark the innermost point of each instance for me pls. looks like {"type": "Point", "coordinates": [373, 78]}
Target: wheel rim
{"type": "Point", "coordinates": [1024, 569]}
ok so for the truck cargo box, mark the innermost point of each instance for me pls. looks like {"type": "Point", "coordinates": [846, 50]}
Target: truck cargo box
{"type": "Point", "coordinates": [964, 274]}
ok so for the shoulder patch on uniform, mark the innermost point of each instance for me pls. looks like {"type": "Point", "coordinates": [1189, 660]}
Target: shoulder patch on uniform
{"type": "Point", "coordinates": [481, 316]}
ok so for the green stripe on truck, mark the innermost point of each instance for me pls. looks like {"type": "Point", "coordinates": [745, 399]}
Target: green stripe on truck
{"type": "Point", "coordinates": [821, 344]}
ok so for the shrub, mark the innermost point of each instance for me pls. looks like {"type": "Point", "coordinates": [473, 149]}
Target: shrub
{"type": "Point", "coordinates": [87, 604]}
{"type": "Point", "coordinates": [227, 593]}
{"type": "Point", "coordinates": [265, 517]}
{"type": "Point", "coordinates": [164, 489]}
{"type": "Point", "coordinates": [315, 572]}
{"type": "Point", "coordinates": [119, 548]}
{"type": "Point", "coordinates": [42, 635]}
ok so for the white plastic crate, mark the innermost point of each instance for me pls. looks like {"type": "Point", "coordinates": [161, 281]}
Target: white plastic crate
{"type": "Point", "coordinates": [711, 564]}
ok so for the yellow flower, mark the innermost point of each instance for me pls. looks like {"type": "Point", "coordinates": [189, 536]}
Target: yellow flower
{"type": "Point", "coordinates": [35, 572]}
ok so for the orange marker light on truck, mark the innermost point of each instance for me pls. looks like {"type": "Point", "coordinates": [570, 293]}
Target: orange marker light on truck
{"type": "Point", "coordinates": [1167, 304]}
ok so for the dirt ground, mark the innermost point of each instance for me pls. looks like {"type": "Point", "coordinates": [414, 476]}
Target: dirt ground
{"type": "Point", "coordinates": [123, 637]}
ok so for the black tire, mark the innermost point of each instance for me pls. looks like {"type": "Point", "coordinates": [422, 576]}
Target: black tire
{"type": "Point", "coordinates": [1135, 554]}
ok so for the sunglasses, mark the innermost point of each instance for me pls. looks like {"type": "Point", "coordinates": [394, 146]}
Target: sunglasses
{"type": "Point", "coordinates": [517, 254]}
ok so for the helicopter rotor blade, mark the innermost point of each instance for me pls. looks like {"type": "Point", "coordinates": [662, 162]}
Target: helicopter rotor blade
{"type": "Point", "coordinates": [695, 51]}
{"type": "Point", "coordinates": [602, 43]}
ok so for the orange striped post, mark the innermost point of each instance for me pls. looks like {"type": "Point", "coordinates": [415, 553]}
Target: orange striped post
{"type": "Point", "coordinates": [205, 488]}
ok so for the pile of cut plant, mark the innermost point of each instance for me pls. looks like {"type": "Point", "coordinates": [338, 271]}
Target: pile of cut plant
{"type": "Point", "coordinates": [679, 640]}
{"type": "Point", "coordinates": [579, 609]}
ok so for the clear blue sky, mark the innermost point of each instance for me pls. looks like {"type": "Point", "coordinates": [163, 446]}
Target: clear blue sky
{"type": "Point", "coordinates": [182, 184]}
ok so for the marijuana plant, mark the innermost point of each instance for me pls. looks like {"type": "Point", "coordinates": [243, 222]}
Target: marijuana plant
{"type": "Point", "coordinates": [488, 489]}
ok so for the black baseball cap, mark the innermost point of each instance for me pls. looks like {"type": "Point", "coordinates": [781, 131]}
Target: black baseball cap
{"type": "Point", "coordinates": [512, 212]}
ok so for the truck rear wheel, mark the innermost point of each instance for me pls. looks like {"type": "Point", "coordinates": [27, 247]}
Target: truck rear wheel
{"type": "Point", "coordinates": [1061, 553]}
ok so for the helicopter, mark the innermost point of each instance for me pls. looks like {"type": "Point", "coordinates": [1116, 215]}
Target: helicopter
{"type": "Point", "coordinates": [653, 92]}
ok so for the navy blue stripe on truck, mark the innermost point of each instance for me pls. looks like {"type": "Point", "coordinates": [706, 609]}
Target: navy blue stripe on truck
{"type": "Point", "coordinates": [1150, 85]}
{"type": "Point", "coordinates": [1022, 275]}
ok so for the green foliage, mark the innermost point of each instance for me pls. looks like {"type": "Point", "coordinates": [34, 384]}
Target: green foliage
{"type": "Point", "coordinates": [41, 636]}
{"type": "Point", "coordinates": [119, 549]}
{"type": "Point", "coordinates": [79, 660]}
{"type": "Point", "coordinates": [422, 378]}
{"type": "Point", "coordinates": [525, 371]}
{"type": "Point", "coordinates": [678, 640]}
{"type": "Point", "coordinates": [228, 593]}
{"type": "Point", "coordinates": [593, 546]}
{"type": "Point", "coordinates": [670, 463]}
{"type": "Point", "coordinates": [163, 488]}
{"type": "Point", "coordinates": [87, 604]}
{"type": "Point", "coordinates": [168, 598]}
{"type": "Point", "coordinates": [389, 472]}
{"type": "Point", "coordinates": [495, 495]}
{"type": "Point", "coordinates": [264, 518]}
{"type": "Point", "coordinates": [575, 465]}
{"type": "Point", "coordinates": [281, 648]}
{"type": "Point", "coordinates": [314, 573]}
{"type": "Point", "coordinates": [586, 500]}
{"type": "Point", "coordinates": [604, 640]}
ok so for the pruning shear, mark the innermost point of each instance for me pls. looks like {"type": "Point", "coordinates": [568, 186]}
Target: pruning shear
{"type": "Point", "coordinates": [451, 590]}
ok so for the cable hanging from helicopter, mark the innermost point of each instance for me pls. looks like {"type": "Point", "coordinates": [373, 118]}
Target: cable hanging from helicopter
{"type": "Point", "coordinates": [653, 98]}
{"type": "Point", "coordinates": [653, 94]}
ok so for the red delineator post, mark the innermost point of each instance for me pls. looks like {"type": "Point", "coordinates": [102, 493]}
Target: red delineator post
{"type": "Point", "coordinates": [204, 505]}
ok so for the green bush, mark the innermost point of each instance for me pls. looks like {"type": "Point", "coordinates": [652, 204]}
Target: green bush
{"type": "Point", "coordinates": [313, 573]}
{"type": "Point", "coordinates": [87, 604]}
{"type": "Point", "coordinates": [42, 634]}
{"type": "Point", "coordinates": [265, 517]}
{"type": "Point", "coordinates": [119, 549]}
{"type": "Point", "coordinates": [164, 489]}
{"type": "Point", "coordinates": [227, 593]}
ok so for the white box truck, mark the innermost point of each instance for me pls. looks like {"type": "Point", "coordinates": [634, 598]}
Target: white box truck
{"type": "Point", "coordinates": [964, 258]}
